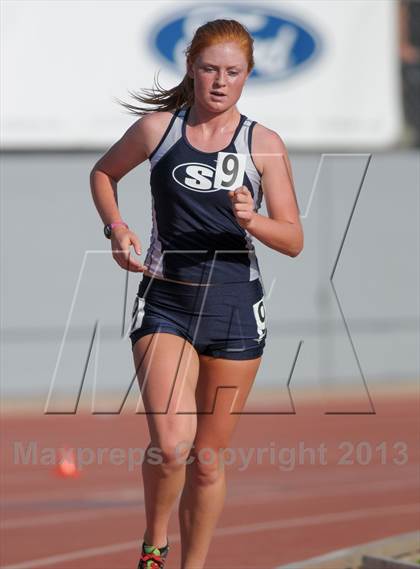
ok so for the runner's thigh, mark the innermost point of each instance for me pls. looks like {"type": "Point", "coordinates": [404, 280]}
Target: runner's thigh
{"type": "Point", "coordinates": [222, 391]}
{"type": "Point", "coordinates": [167, 370]}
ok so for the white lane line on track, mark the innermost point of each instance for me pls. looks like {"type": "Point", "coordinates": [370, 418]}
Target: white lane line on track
{"type": "Point", "coordinates": [66, 517]}
{"type": "Point", "coordinates": [223, 532]}
{"type": "Point", "coordinates": [263, 498]}
{"type": "Point", "coordinates": [114, 493]}
{"type": "Point", "coordinates": [311, 480]}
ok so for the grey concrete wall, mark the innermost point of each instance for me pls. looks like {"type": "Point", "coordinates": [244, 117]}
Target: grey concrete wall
{"type": "Point", "coordinates": [57, 271]}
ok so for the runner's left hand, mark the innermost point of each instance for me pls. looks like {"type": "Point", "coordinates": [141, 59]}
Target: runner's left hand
{"type": "Point", "coordinates": [243, 206]}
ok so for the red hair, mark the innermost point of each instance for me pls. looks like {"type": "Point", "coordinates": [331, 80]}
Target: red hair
{"type": "Point", "coordinates": [210, 33]}
{"type": "Point", "coordinates": [218, 31]}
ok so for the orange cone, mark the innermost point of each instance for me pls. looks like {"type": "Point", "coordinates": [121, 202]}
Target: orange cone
{"type": "Point", "coordinates": [67, 467]}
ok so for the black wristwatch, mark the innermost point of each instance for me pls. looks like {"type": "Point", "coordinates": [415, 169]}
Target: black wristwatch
{"type": "Point", "coordinates": [110, 226]}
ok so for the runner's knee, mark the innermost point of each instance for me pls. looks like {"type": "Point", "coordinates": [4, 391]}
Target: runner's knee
{"type": "Point", "coordinates": [207, 464]}
{"type": "Point", "coordinates": [174, 451]}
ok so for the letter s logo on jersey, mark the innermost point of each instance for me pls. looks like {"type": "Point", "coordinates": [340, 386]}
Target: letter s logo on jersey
{"type": "Point", "coordinates": [195, 176]}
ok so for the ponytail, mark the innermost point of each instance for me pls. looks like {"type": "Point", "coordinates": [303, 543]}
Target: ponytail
{"type": "Point", "coordinates": [163, 99]}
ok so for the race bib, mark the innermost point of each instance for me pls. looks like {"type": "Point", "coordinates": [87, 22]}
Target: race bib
{"type": "Point", "coordinates": [230, 170]}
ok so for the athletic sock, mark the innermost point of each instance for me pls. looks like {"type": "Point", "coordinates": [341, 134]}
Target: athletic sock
{"type": "Point", "coordinates": [152, 548]}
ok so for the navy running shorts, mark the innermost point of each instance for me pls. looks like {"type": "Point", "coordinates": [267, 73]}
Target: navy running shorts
{"type": "Point", "coordinates": [226, 320]}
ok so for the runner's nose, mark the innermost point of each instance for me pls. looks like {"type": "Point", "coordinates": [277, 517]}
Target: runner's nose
{"type": "Point", "coordinates": [220, 80]}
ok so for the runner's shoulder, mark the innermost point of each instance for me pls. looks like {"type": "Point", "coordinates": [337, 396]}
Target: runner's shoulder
{"type": "Point", "coordinates": [266, 140]}
{"type": "Point", "coordinates": [152, 126]}
{"type": "Point", "coordinates": [154, 122]}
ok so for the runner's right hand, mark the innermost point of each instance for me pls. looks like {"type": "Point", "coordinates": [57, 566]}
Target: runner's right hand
{"type": "Point", "coordinates": [121, 240]}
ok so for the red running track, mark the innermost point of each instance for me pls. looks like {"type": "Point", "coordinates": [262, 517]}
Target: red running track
{"type": "Point", "coordinates": [288, 505]}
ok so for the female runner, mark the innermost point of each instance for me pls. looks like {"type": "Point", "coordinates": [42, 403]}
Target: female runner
{"type": "Point", "coordinates": [199, 317]}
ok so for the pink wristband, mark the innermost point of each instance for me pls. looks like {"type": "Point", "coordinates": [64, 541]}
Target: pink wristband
{"type": "Point", "coordinates": [112, 225]}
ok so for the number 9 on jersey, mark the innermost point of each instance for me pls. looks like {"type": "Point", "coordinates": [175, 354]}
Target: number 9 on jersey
{"type": "Point", "coordinates": [230, 170]}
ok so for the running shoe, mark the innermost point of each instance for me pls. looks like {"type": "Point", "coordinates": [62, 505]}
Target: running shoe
{"type": "Point", "coordinates": [153, 557]}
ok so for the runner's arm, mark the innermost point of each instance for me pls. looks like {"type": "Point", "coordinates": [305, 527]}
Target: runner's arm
{"type": "Point", "coordinates": [282, 229]}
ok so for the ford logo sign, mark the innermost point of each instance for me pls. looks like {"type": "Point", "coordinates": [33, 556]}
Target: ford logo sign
{"type": "Point", "coordinates": [283, 45]}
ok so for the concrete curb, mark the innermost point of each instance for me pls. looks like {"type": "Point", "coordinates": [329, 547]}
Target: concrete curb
{"type": "Point", "coordinates": [353, 557]}
{"type": "Point", "coordinates": [369, 562]}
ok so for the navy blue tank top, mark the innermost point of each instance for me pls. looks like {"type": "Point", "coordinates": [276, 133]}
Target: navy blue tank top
{"type": "Point", "coordinates": [195, 236]}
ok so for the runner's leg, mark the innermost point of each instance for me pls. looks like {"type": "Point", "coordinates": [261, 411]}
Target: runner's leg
{"type": "Point", "coordinates": [204, 492]}
{"type": "Point", "coordinates": [167, 369]}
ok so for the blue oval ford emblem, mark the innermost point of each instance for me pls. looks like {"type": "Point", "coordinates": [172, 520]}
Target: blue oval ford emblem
{"type": "Point", "coordinates": [282, 45]}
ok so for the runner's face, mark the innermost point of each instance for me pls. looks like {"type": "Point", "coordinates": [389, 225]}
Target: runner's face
{"type": "Point", "coordinates": [219, 73]}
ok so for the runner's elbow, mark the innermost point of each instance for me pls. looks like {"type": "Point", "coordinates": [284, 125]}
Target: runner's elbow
{"type": "Point", "coordinates": [297, 246]}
